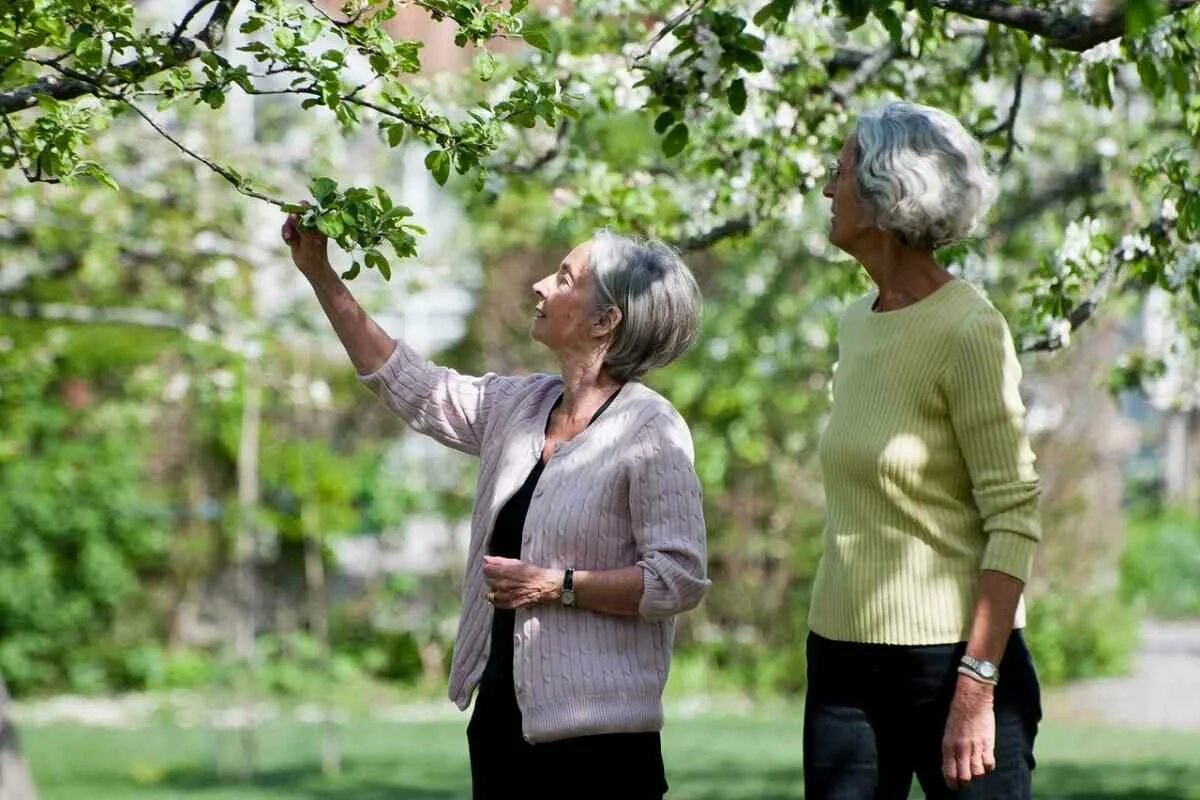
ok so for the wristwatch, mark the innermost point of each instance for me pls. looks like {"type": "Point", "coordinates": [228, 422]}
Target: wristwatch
{"type": "Point", "coordinates": [980, 670]}
{"type": "Point", "coordinates": [568, 588]}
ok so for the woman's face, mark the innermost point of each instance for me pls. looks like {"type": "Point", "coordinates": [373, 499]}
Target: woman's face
{"type": "Point", "coordinates": [849, 218]}
{"type": "Point", "coordinates": [564, 319]}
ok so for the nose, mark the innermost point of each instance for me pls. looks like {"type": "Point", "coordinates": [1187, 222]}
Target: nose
{"type": "Point", "coordinates": [827, 189]}
{"type": "Point", "coordinates": [537, 289]}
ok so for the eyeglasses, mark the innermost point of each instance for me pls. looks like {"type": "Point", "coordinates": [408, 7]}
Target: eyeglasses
{"type": "Point", "coordinates": [835, 171]}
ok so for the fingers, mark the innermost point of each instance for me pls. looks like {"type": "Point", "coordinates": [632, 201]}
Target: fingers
{"type": "Point", "coordinates": [965, 761]}
{"type": "Point", "coordinates": [977, 770]}
{"type": "Point", "coordinates": [989, 757]}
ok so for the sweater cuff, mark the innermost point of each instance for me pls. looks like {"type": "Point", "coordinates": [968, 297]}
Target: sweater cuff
{"type": "Point", "coordinates": [1010, 553]}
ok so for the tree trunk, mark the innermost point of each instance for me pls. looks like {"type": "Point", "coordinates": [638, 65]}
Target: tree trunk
{"type": "Point", "coordinates": [15, 780]}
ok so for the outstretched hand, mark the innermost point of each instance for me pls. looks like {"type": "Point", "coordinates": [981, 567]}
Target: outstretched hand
{"type": "Point", "coordinates": [310, 248]}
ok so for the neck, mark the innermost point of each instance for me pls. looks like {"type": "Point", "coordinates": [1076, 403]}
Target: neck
{"type": "Point", "coordinates": [586, 385]}
{"type": "Point", "coordinates": [903, 274]}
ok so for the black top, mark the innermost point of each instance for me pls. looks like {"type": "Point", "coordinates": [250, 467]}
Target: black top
{"type": "Point", "coordinates": [506, 542]}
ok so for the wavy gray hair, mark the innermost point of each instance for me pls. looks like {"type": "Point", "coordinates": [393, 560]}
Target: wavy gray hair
{"type": "Point", "coordinates": [921, 174]}
{"type": "Point", "coordinates": [658, 298]}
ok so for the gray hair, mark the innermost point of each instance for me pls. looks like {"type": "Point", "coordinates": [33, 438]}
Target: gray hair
{"type": "Point", "coordinates": [658, 299]}
{"type": "Point", "coordinates": [921, 175]}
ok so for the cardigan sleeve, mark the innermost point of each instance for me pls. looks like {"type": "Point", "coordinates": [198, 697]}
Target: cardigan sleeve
{"type": "Point", "coordinates": [668, 518]}
{"type": "Point", "coordinates": [982, 383]}
{"type": "Point", "coordinates": [437, 401]}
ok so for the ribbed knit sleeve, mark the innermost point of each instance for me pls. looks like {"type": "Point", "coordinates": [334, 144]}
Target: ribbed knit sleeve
{"type": "Point", "coordinates": [437, 401]}
{"type": "Point", "coordinates": [668, 518]}
{"type": "Point", "coordinates": [982, 389]}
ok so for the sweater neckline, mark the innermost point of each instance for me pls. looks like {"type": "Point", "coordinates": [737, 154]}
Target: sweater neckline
{"type": "Point", "coordinates": [934, 298]}
{"type": "Point", "coordinates": [554, 398]}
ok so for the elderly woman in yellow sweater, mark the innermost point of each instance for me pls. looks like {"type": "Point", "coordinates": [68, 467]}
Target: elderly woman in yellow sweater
{"type": "Point", "coordinates": [916, 662]}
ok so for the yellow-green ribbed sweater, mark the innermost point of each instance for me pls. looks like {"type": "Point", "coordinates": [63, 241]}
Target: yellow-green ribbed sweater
{"type": "Point", "coordinates": [929, 477]}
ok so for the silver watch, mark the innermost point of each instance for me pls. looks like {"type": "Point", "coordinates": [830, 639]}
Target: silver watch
{"type": "Point", "coordinates": [983, 671]}
{"type": "Point", "coordinates": [568, 588]}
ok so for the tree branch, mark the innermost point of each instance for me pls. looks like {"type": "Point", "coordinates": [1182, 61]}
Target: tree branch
{"type": "Point", "coordinates": [733, 227]}
{"type": "Point", "coordinates": [539, 162]}
{"type": "Point", "coordinates": [1068, 31]}
{"type": "Point", "coordinates": [670, 25]}
{"type": "Point", "coordinates": [237, 181]}
{"type": "Point", "coordinates": [1010, 123]}
{"type": "Point", "coordinates": [1156, 232]}
{"type": "Point", "coordinates": [865, 72]}
{"type": "Point", "coordinates": [182, 50]}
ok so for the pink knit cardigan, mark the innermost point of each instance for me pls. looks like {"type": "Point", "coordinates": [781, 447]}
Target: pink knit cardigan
{"type": "Point", "coordinates": [622, 492]}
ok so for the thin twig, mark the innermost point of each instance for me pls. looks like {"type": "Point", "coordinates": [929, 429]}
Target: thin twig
{"type": "Point", "coordinates": [542, 160]}
{"type": "Point", "coordinates": [733, 227]}
{"type": "Point", "coordinates": [866, 72]}
{"type": "Point", "coordinates": [187, 18]}
{"type": "Point", "coordinates": [1010, 122]}
{"type": "Point", "coordinates": [671, 25]}
{"type": "Point", "coordinates": [238, 182]}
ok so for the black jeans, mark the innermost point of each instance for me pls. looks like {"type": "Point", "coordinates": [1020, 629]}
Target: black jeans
{"type": "Point", "coordinates": [614, 766]}
{"type": "Point", "coordinates": [875, 715]}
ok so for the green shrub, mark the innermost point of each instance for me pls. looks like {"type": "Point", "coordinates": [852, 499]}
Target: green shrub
{"type": "Point", "coordinates": [1161, 564]}
{"type": "Point", "coordinates": [1073, 637]}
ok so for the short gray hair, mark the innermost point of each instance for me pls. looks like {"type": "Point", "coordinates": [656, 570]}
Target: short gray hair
{"type": "Point", "coordinates": [658, 299]}
{"type": "Point", "coordinates": [921, 174]}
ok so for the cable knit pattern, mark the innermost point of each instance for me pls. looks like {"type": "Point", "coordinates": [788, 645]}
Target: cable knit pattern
{"type": "Point", "coordinates": [929, 476]}
{"type": "Point", "coordinates": [622, 492]}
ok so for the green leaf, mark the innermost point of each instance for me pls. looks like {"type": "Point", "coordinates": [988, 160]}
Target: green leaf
{"type": "Point", "coordinates": [395, 134]}
{"type": "Point", "coordinates": [309, 31]}
{"type": "Point", "coordinates": [675, 141]}
{"type": "Point", "coordinates": [323, 189]}
{"type": "Point", "coordinates": [537, 39]}
{"type": "Point", "coordinates": [519, 5]}
{"type": "Point", "coordinates": [351, 273]}
{"type": "Point", "coordinates": [737, 96]}
{"type": "Point", "coordinates": [385, 200]}
{"type": "Point", "coordinates": [375, 260]}
{"type": "Point", "coordinates": [485, 66]}
{"type": "Point", "coordinates": [1142, 14]}
{"type": "Point", "coordinates": [251, 25]}
{"type": "Point", "coordinates": [285, 38]}
{"type": "Point", "coordinates": [438, 163]}
{"type": "Point", "coordinates": [664, 121]}
{"type": "Point", "coordinates": [331, 225]}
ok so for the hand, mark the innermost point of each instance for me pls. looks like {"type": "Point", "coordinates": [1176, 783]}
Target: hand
{"type": "Point", "coordinates": [515, 584]}
{"type": "Point", "coordinates": [969, 744]}
{"type": "Point", "coordinates": [309, 247]}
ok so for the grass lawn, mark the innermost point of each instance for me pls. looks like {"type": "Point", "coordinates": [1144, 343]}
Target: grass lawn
{"type": "Point", "coordinates": [708, 758]}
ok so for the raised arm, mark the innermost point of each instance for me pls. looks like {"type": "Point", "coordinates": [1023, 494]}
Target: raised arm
{"type": "Point", "coordinates": [367, 344]}
{"type": "Point", "coordinates": [434, 400]}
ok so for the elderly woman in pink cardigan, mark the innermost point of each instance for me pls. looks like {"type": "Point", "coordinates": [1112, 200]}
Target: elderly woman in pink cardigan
{"type": "Point", "coordinates": [587, 537]}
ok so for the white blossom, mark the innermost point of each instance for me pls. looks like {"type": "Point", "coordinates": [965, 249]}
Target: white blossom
{"type": "Point", "coordinates": [1107, 147]}
{"type": "Point", "coordinates": [1170, 211]}
{"type": "Point", "coordinates": [1059, 330]}
{"type": "Point", "coordinates": [1133, 244]}
{"type": "Point", "coordinates": [1102, 53]}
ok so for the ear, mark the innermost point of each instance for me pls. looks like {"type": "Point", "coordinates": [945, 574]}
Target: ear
{"type": "Point", "coordinates": [605, 321]}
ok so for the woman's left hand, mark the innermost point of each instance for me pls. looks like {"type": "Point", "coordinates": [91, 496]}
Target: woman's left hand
{"type": "Point", "coordinates": [969, 744]}
{"type": "Point", "coordinates": [515, 584]}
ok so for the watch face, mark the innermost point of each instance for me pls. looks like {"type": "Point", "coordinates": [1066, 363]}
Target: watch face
{"type": "Point", "coordinates": [987, 669]}
{"type": "Point", "coordinates": [568, 597]}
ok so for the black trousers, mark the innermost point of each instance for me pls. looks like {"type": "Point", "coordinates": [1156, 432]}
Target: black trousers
{"type": "Point", "coordinates": [614, 766]}
{"type": "Point", "coordinates": [875, 716]}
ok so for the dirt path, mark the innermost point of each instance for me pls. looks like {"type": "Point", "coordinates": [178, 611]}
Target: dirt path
{"type": "Point", "coordinates": [1162, 691]}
